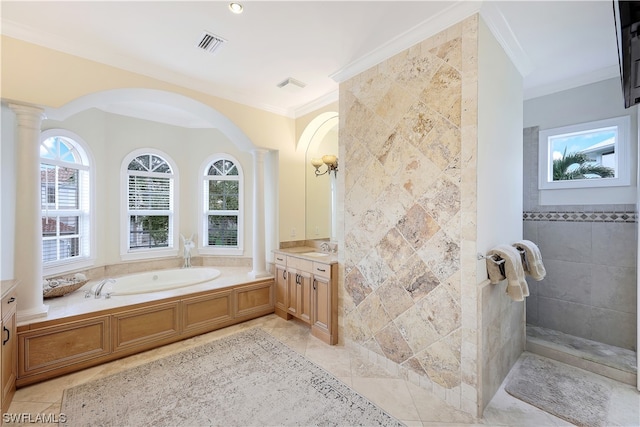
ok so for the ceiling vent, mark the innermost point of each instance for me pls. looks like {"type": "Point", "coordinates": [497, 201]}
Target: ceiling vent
{"type": "Point", "coordinates": [210, 42]}
{"type": "Point", "coordinates": [291, 84]}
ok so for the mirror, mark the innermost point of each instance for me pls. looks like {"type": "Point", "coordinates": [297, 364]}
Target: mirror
{"type": "Point", "coordinates": [320, 190]}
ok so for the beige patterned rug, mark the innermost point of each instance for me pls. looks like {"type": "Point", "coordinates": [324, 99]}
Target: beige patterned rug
{"type": "Point", "coordinates": [246, 379]}
{"type": "Point", "coordinates": [562, 390]}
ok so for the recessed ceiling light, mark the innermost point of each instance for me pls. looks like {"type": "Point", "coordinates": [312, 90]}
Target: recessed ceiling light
{"type": "Point", "coordinates": [235, 7]}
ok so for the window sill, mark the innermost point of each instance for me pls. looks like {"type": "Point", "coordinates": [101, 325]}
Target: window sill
{"type": "Point", "coordinates": [63, 267]}
{"type": "Point", "coordinates": [150, 254]}
{"type": "Point", "coordinates": [220, 251]}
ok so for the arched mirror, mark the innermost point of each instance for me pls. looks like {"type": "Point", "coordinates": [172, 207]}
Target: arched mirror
{"type": "Point", "coordinates": [320, 185]}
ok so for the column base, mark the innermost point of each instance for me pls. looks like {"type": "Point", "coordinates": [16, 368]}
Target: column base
{"type": "Point", "coordinates": [32, 313]}
{"type": "Point", "coordinates": [260, 274]}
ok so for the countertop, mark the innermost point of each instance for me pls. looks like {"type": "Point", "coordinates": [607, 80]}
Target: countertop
{"type": "Point", "coordinates": [7, 286]}
{"type": "Point", "coordinates": [304, 251]}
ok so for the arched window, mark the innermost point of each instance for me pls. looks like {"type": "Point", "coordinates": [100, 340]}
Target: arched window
{"type": "Point", "coordinates": [149, 201]}
{"type": "Point", "coordinates": [65, 200]}
{"type": "Point", "coordinates": [222, 221]}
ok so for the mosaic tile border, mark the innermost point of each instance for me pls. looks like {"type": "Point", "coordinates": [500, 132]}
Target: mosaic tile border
{"type": "Point", "coordinates": [581, 216]}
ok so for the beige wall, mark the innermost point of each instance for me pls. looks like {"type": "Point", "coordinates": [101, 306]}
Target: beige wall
{"type": "Point", "coordinates": [36, 75]}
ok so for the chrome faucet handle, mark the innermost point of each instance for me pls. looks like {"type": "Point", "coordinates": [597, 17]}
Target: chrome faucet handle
{"type": "Point", "coordinates": [87, 294]}
{"type": "Point", "coordinates": [107, 295]}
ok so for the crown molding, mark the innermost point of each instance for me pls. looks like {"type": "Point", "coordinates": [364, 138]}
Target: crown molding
{"type": "Point", "coordinates": [316, 104]}
{"type": "Point", "coordinates": [595, 76]}
{"type": "Point", "coordinates": [501, 30]}
{"type": "Point", "coordinates": [453, 14]}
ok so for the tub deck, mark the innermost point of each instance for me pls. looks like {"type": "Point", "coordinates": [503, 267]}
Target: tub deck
{"type": "Point", "coordinates": [75, 304]}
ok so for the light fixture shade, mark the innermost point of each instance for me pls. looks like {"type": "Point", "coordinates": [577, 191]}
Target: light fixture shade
{"type": "Point", "coordinates": [329, 159]}
{"type": "Point", "coordinates": [315, 162]}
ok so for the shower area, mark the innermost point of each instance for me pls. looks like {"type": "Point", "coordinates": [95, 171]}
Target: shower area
{"type": "Point", "coordinates": [584, 312]}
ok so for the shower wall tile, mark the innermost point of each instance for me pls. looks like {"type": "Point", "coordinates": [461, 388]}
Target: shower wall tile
{"type": "Point", "coordinates": [589, 252]}
{"type": "Point", "coordinates": [530, 231]}
{"type": "Point", "coordinates": [613, 328]}
{"type": "Point", "coordinates": [566, 241]}
{"type": "Point", "coordinates": [565, 316]}
{"type": "Point", "coordinates": [567, 281]}
{"type": "Point", "coordinates": [614, 244]}
{"type": "Point", "coordinates": [532, 309]}
{"type": "Point", "coordinates": [614, 288]}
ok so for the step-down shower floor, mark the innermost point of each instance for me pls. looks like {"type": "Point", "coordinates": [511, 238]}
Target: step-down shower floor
{"type": "Point", "coordinates": [613, 362]}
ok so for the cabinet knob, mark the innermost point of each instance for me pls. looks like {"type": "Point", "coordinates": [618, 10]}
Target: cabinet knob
{"type": "Point", "coordinates": [315, 284]}
{"type": "Point", "coordinates": [12, 299]}
{"type": "Point", "coordinates": [320, 269]}
{"type": "Point", "coordinates": [4, 329]}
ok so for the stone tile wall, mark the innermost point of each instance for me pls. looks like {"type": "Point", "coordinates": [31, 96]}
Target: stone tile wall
{"type": "Point", "coordinates": [408, 140]}
{"type": "Point", "coordinates": [589, 253]}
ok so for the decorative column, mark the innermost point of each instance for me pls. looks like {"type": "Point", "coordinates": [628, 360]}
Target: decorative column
{"type": "Point", "coordinates": [259, 252]}
{"type": "Point", "coordinates": [28, 238]}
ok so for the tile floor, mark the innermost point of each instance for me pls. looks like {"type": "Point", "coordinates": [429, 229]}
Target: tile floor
{"type": "Point", "coordinates": [402, 399]}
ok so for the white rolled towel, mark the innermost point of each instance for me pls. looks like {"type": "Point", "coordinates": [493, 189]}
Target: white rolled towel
{"type": "Point", "coordinates": [531, 259]}
{"type": "Point", "coordinates": [511, 270]}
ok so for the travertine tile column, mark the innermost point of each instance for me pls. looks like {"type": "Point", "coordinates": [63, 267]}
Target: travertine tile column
{"type": "Point", "coordinates": [28, 239]}
{"type": "Point", "coordinates": [259, 251]}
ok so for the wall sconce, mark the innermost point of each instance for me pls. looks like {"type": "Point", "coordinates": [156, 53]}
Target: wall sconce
{"type": "Point", "coordinates": [330, 160]}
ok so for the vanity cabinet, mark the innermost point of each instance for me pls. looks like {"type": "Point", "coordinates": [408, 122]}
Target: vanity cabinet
{"type": "Point", "coordinates": [9, 352]}
{"type": "Point", "coordinates": [307, 290]}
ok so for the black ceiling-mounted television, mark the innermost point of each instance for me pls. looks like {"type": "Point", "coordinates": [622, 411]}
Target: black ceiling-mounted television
{"type": "Point", "coordinates": [627, 21]}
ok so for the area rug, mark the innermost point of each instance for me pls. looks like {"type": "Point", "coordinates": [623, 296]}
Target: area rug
{"type": "Point", "coordinates": [562, 390]}
{"type": "Point", "coordinates": [246, 379]}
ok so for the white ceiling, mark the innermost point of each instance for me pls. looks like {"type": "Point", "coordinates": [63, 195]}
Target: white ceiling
{"type": "Point", "coordinates": [556, 45]}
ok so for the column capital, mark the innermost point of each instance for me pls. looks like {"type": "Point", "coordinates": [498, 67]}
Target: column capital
{"type": "Point", "coordinates": [28, 115]}
{"type": "Point", "coordinates": [259, 153]}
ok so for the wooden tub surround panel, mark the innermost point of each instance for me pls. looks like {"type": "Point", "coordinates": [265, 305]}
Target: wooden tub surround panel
{"type": "Point", "coordinates": [52, 348]}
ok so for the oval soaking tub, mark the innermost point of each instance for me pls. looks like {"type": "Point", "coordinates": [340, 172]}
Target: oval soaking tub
{"type": "Point", "coordinates": [154, 281]}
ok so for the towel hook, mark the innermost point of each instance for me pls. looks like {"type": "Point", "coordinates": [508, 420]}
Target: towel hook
{"type": "Point", "coordinates": [492, 258]}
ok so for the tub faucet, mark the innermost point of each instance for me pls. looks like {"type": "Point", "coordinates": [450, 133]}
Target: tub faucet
{"type": "Point", "coordinates": [100, 285]}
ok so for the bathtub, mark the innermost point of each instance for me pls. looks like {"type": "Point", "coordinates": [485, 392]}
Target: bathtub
{"type": "Point", "coordinates": [159, 280]}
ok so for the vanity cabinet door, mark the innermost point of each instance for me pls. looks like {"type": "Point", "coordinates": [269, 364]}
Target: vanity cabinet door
{"type": "Point", "coordinates": [325, 303]}
{"type": "Point", "coordinates": [281, 287]}
{"type": "Point", "coordinates": [304, 296]}
{"type": "Point", "coordinates": [299, 294]}
{"type": "Point", "coordinates": [9, 352]}
{"type": "Point", "coordinates": [321, 305]}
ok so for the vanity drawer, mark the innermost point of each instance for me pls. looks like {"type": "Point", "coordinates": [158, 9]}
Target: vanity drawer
{"type": "Point", "coordinates": [299, 263]}
{"type": "Point", "coordinates": [323, 270]}
{"type": "Point", "coordinates": [9, 301]}
{"type": "Point", "coordinates": [281, 259]}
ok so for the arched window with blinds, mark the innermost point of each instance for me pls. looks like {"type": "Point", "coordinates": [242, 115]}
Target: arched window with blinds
{"type": "Point", "coordinates": [222, 219]}
{"type": "Point", "coordinates": [150, 202]}
{"type": "Point", "coordinates": [65, 200]}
